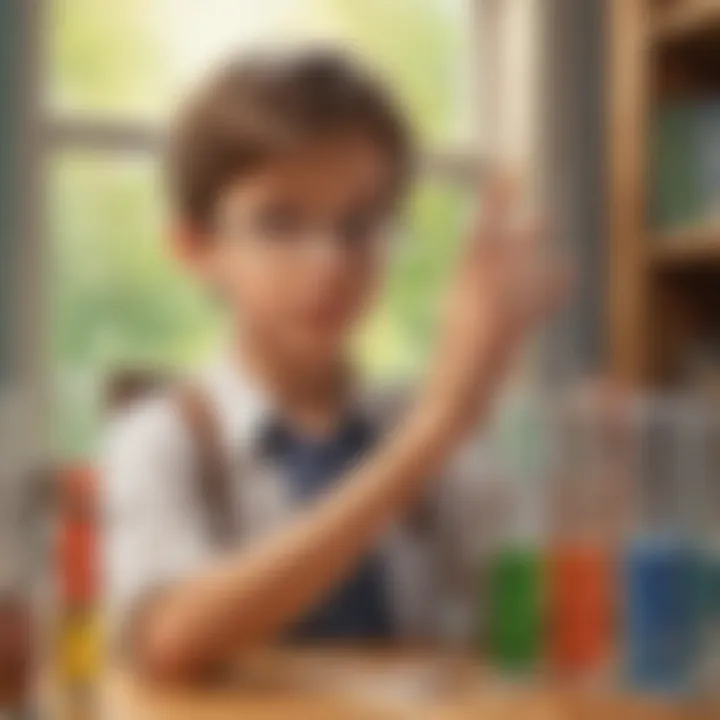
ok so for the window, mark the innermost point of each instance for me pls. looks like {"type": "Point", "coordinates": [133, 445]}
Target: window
{"type": "Point", "coordinates": [132, 59]}
{"type": "Point", "coordinates": [114, 70]}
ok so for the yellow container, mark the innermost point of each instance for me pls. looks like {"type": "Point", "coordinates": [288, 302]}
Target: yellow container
{"type": "Point", "coordinates": [79, 647]}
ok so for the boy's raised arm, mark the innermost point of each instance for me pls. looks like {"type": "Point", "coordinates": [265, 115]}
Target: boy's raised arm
{"type": "Point", "coordinates": [502, 289]}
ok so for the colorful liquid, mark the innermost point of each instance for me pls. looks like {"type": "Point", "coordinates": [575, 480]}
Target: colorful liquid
{"type": "Point", "coordinates": [79, 648]}
{"type": "Point", "coordinates": [710, 630]}
{"type": "Point", "coordinates": [663, 614]}
{"type": "Point", "coordinates": [515, 608]}
{"type": "Point", "coordinates": [581, 585]}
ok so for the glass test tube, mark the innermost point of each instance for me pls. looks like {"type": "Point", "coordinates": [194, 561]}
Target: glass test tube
{"type": "Point", "coordinates": [515, 571]}
{"type": "Point", "coordinates": [660, 564]}
{"type": "Point", "coordinates": [705, 459]}
{"type": "Point", "coordinates": [582, 587]}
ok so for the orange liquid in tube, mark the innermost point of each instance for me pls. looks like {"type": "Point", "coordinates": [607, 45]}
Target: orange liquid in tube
{"type": "Point", "coordinates": [588, 510]}
{"type": "Point", "coordinates": [581, 588]}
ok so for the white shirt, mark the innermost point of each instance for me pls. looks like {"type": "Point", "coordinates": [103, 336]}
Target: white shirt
{"type": "Point", "coordinates": [155, 532]}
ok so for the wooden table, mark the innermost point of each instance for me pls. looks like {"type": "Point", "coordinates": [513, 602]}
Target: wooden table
{"type": "Point", "coordinates": [371, 685]}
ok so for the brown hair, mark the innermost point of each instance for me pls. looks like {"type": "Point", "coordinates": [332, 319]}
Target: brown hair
{"type": "Point", "coordinates": [257, 107]}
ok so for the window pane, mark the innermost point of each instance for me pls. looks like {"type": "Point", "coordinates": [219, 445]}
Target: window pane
{"type": "Point", "coordinates": [397, 339]}
{"type": "Point", "coordinates": [119, 300]}
{"type": "Point", "coordinates": [135, 57]}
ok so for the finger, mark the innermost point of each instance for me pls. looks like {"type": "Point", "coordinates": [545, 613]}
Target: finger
{"type": "Point", "coordinates": [521, 259]}
{"type": "Point", "coordinates": [554, 289]}
{"type": "Point", "coordinates": [525, 237]}
{"type": "Point", "coordinates": [537, 291]}
{"type": "Point", "coordinates": [498, 198]}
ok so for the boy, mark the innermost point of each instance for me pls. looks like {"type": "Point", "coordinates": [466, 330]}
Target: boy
{"type": "Point", "coordinates": [285, 173]}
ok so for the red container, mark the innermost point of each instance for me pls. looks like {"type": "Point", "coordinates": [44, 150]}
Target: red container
{"type": "Point", "coordinates": [77, 542]}
{"type": "Point", "coordinates": [582, 608]}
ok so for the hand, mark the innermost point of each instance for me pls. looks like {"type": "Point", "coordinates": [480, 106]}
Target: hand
{"type": "Point", "coordinates": [505, 286]}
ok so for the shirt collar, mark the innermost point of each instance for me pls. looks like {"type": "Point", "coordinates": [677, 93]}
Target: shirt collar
{"type": "Point", "coordinates": [243, 406]}
{"type": "Point", "coordinates": [246, 409]}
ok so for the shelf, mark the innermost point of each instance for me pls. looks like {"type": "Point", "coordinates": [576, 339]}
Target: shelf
{"type": "Point", "coordinates": [688, 248]}
{"type": "Point", "coordinates": [685, 18]}
{"type": "Point", "coordinates": [663, 287]}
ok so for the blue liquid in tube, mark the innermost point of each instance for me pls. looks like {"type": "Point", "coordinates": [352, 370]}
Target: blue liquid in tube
{"type": "Point", "coordinates": [663, 614]}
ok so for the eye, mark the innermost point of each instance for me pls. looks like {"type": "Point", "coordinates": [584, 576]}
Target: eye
{"type": "Point", "coordinates": [278, 222]}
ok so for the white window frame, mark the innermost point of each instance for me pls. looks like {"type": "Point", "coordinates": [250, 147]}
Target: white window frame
{"type": "Point", "coordinates": [110, 134]}
{"type": "Point", "coordinates": [496, 23]}
{"type": "Point", "coordinates": [508, 81]}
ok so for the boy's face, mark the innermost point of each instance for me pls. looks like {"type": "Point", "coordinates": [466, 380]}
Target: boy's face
{"type": "Point", "coordinates": [299, 246]}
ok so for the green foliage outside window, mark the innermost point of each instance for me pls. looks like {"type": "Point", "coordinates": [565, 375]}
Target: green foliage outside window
{"type": "Point", "coordinates": [118, 297]}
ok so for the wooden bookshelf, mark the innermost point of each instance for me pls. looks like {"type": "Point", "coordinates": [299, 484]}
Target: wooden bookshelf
{"type": "Point", "coordinates": [679, 21]}
{"type": "Point", "coordinates": [688, 248]}
{"type": "Point", "coordinates": [661, 294]}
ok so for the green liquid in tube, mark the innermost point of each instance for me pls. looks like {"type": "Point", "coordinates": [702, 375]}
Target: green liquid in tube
{"type": "Point", "coordinates": [514, 629]}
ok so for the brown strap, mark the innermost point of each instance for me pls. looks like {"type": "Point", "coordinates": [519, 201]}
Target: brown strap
{"type": "Point", "coordinates": [212, 470]}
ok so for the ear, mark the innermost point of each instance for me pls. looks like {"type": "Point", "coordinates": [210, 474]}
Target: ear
{"type": "Point", "coordinates": [188, 243]}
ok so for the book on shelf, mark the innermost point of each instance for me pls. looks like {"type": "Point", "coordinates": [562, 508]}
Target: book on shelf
{"type": "Point", "coordinates": [685, 167]}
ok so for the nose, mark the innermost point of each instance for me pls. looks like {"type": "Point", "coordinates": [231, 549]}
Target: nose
{"type": "Point", "coordinates": [328, 251]}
